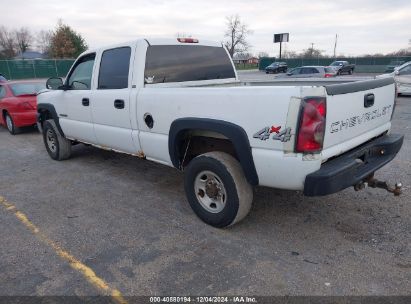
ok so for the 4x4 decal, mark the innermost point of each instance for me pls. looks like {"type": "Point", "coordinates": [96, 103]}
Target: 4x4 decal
{"type": "Point", "coordinates": [265, 133]}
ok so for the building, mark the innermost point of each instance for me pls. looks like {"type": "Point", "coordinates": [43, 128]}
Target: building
{"type": "Point", "coordinates": [245, 59]}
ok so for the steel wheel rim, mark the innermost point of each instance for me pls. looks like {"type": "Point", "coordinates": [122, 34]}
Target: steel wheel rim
{"type": "Point", "coordinates": [51, 141]}
{"type": "Point", "coordinates": [210, 191]}
{"type": "Point", "coordinates": [9, 123]}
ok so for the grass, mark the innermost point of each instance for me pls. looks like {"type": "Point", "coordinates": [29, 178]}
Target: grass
{"type": "Point", "coordinates": [246, 66]}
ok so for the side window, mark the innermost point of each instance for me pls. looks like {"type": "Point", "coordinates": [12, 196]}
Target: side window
{"type": "Point", "coordinates": [80, 77]}
{"type": "Point", "coordinates": [2, 92]}
{"type": "Point", "coordinates": [406, 70]}
{"type": "Point", "coordinates": [305, 71]}
{"type": "Point", "coordinates": [114, 69]}
{"type": "Point", "coordinates": [296, 71]}
{"type": "Point", "coordinates": [314, 71]}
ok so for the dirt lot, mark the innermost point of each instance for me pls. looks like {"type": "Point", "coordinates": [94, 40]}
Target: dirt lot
{"type": "Point", "coordinates": [127, 220]}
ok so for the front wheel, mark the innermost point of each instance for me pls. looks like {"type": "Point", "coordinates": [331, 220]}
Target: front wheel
{"type": "Point", "coordinates": [217, 189]}
{"type": "Point", "coordinates": [57, 146]}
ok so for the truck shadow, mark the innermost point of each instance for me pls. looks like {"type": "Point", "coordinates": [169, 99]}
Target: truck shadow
{"type": "Point", "coordinates": [280, 215]}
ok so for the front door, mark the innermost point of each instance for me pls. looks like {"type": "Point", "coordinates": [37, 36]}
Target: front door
{"type": "Point", "coordinates": [75, 112]}
{"type": "Point", "coordinates": [111, 101]}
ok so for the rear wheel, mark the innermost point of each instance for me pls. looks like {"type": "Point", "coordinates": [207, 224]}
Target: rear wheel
{"type": "Point", "coordinates": [57, 146]}
{"type": "Point", "coordinates": [217, 189]}
{"type": "Point", "coordinates": [10, 124]}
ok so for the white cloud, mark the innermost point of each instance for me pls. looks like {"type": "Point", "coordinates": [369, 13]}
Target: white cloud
{"type": "Point", "coordinates": [367, 26]}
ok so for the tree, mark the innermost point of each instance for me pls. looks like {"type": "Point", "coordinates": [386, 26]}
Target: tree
{"type": "Point", "coordinates": [43, 41]}
{"type": "Point", "coordinates": [23, 39]}
{"type": "Point", "coordinates": [7, 43]}
{"type": "Point", "coordinates": [236, 33]}
{"type": "Point", "coordinates": [66, 43]}
{"type": "Point", "coordinates": [263, 54]}
{"type": "Point", "coordinates": [312, 53]}
{"type": "Point", "coordinates": [288, 54]}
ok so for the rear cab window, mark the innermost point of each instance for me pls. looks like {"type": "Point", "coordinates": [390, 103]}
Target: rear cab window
{"type": "Point", "coordinates": [179, 63]}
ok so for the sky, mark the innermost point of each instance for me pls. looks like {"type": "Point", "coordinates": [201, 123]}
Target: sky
{"type": "Point", "coordinates": [363, 26]}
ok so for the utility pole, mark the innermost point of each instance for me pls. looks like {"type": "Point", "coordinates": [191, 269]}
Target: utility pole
{"type": "Point", "coordinates": [281, 42]}
{"type": "Point", "coordinates": [335, 45]}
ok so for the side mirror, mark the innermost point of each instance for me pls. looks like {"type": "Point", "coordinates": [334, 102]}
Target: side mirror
{"type": "Point", "coordinates": [54, 83]}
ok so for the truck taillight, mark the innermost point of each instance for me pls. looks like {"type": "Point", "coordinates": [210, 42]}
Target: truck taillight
{"type": "Point", "coordinates": [311, 126]}
{"type": "Point", "coordinates": [187, 40]}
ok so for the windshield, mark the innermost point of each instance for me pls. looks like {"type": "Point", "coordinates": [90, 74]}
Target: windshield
{"type": "Point", "coordinates": [336, 63]}
{"type": "Point", "coordinates": [30, 88]}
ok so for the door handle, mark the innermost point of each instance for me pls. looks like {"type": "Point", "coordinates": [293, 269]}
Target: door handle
{"type": "Point", "coordinates": [85, 102]}
{"type": "Point", "coordinates": [369, 100]}
{"type": "Point", "coordinates": [119, 104]}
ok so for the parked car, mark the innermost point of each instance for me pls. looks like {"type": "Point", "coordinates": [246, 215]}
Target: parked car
{"type": "Point", "coordinates": [393, 65]}
{"type": "Point", "coordinates": [276, 67]}
{"type": "Point", "coordinates": [2, 78]}
{"type": "Point", "coordinates": [18, 104]}
{"type": "Point", "coordinates": [402, 76]}
{"type": "Point", "coordinates": [342, 67]}
{"type": "Point", "coordinates": [150, 98]}
{"type": "Point", "coordinates": [311, 71]}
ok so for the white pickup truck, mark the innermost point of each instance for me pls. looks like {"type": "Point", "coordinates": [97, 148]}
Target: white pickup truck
{"type": "Point", "coordinates": [179, 102]}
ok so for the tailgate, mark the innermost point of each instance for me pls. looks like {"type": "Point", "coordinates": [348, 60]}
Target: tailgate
{"type": "Point", "coordinates": [357, 112]}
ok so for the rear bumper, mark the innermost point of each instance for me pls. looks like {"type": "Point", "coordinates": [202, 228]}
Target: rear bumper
{"type": "Point", "coordinates": [352, 167]}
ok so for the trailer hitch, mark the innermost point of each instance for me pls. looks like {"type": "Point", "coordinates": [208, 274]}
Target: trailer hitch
{"type": "Point", "coordinates": [372, 182]}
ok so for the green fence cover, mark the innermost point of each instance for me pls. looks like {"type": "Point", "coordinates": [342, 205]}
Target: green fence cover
{"type": "Point", "coordinates": [39, 68]}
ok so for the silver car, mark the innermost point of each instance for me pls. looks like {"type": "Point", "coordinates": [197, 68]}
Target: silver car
{"type": "Point", "coordinates": [402, 76]}
{"type": "Point", "coordinates": [311, 71]}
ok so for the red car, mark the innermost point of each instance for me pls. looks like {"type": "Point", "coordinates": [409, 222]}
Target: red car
{"type": "Point", "coordinates": [18, 104]}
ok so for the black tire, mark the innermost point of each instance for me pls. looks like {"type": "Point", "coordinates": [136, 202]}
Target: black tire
{"type": "Point", "coordinates": [11, 127]}
{"type": "Point", "coordinates": [57, 146]}
{"type": "Point", "coordinates": [238, 192]}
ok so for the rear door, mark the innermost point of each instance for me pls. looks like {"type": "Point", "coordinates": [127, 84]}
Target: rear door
{"type": "Point", "coordinates": [111, 100]}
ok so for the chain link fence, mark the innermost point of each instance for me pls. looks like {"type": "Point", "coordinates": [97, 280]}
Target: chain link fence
{"type": "Point", "coordinates": [38, 68]}
{"type": "Point", "coordinates": [362, 64]}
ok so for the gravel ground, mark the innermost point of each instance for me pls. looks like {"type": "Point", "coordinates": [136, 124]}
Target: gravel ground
{"type": "Point", "coordinates": [128, 220]}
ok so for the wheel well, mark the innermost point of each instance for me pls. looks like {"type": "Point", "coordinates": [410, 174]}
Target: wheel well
{"type": "Point", "coordinates": [197, 142]}
{"type": "Point", "coordinates": [44, 115]}
{"type": "Point", "coordinates": [219, 135]}
{"type": "Point", "coordinates": [3, 115]}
